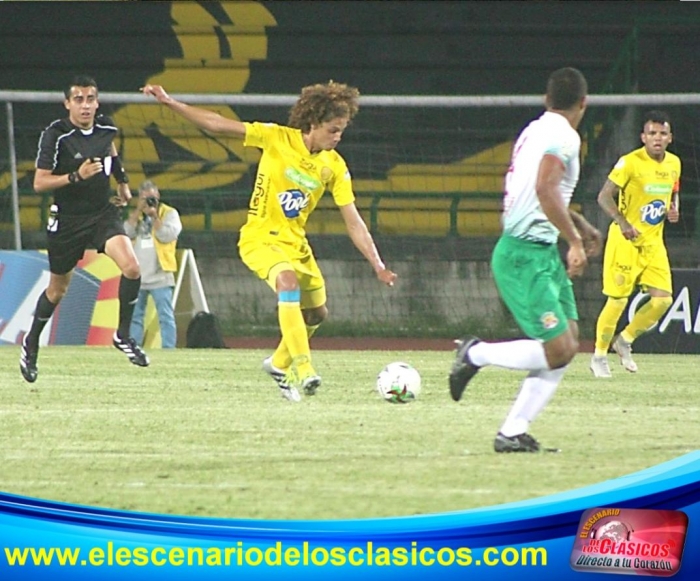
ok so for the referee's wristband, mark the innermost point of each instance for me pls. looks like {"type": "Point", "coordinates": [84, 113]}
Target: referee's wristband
{"type": "Point", "coordinates": [74, 177]}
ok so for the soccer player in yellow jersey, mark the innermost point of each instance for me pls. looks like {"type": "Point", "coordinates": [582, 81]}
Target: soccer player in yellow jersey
{"type": "Point", "coordinates": [647, 180]}
{"type": "Point", "coordinates": [298, 165]}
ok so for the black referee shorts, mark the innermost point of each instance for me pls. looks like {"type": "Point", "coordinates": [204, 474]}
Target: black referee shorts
{"type": "Point", "coordinates": [70, 235]}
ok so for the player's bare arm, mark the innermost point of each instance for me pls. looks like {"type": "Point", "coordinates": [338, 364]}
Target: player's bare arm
{"type": "Point", "coordinates": [202, 118]}
{"type": "Point", "coordinates": [606, 200]}
{"type": "Point", "coordinates": [362, 239]}
{"type": "Point", "coordinates": [549, 176]}
{"type": "Point", "coordinates": [674, 211]}
{"type": "Point", "coordinates": [592, 238]}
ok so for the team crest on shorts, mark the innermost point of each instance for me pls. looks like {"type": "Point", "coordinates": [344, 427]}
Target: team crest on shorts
{"type": "Point", "coordinates": [549, 320]}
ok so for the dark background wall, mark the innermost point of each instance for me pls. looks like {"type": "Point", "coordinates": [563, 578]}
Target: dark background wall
{"type": "Point", "coordinates": [395, 47]}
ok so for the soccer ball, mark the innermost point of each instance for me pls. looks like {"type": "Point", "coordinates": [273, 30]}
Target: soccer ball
{"type": "Point", "coordinates": [398, 382]}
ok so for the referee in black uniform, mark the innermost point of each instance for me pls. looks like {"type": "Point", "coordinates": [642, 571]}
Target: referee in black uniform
{"type": "Point", "coordinates": [76, 158]}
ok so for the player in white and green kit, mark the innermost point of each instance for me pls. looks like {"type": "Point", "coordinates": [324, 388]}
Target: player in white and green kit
{"type": "Point", "coordinates": [531, 278]}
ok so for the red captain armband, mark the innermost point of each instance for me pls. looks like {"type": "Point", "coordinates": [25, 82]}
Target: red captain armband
{"type": "Point", "coordinates": [118, 170]}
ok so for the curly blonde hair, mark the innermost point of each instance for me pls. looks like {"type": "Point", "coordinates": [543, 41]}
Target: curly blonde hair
{"type": "Point", "coordinates": [320, 103]}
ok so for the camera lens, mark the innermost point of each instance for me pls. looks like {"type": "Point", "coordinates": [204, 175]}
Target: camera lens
{"type": "Point", "coordinates": [152, 201]}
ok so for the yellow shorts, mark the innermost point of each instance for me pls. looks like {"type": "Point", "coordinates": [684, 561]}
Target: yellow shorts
{"type": "Point", "coordinates": [268, 260]}
{"type": "Point", "coordinates": [625, 266]}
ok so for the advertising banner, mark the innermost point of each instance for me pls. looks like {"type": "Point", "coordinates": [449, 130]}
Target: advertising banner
{"type": "Point", "coordinates": [89, 313]}
{"type": "Point", "coordinates": [678, 331]}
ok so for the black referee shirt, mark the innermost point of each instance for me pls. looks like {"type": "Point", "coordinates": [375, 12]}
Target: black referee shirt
{"type": "Point", "coordinates": [63, 147]}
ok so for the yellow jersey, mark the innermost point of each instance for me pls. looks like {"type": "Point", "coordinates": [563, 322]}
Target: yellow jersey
{"type": "Point", "coordinates": [289, 183]}
{"type": "Point", "coordinates": [646, 187]}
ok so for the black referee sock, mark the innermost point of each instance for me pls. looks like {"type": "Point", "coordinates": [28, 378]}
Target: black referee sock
{"type": "Point", "coordinates": [128, 295]}
{"type": "Point", "coordinates": [42, 314]}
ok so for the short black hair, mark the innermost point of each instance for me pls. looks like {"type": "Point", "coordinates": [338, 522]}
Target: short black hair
{"type": "Point", "coordinates": [655, 116]}
{"type": "Point", "coordinates": [565, 88]}
{"type": "Point", "coordinates": [80, 81]}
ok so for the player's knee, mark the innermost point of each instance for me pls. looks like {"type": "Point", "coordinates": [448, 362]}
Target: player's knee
{"type": "Point", "coordinates": [562, 351]}
{"type": "Point", "coordinates": [286, 281]}
{"type": "Point", "coordinates": [661, 304]}
{"type": "Point", "coordinates": [567, 354]}
{"type": "Point", "coordinates": [132, 270]}
{"type": "Point", "coordinates": [56, 292]}
{"type": "Point", "coordinates": [571, 350]}
{"type": "Point", "coordinates": [315, 316]}
{"type": "Point", "coordinates": [617, 304]}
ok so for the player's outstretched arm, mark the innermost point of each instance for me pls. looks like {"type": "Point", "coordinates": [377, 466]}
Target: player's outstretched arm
{"type": "Point", "coordinates": [362, 239]}
{"type": "Point", "coordinates": [202, 118]}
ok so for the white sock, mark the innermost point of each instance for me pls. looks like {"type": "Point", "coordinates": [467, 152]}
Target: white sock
{"type": "Point", "coordinates": [520, 354]}
{"type": "Point", "coordinates": [536, 391]}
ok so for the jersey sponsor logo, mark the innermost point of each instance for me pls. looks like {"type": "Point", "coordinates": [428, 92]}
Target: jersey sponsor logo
{"type": "Point", "coordinates": [549, 320]}
{"type": "Point", "coordinates": [293, 202]}
{"type": "Point", "coordinates": [305, 181]}
{"type": "Point", "coordinates": [657, 189]}
{"type": "Point", "coordinates": [653, 213]}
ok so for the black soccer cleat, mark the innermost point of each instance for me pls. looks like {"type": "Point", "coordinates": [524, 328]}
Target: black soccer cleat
{"type": "Point", "coordinates": [520, 443]}
{"type": "Point", "coordinates": [27, 362]}
{"type": "Point", "coordinates": [462, 369]}
{"type": "Point", "coordinates": [129, 347]}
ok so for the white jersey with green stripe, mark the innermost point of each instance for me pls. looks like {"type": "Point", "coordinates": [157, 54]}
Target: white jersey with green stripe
{"type": "Point", "coordinates": [550, 134]}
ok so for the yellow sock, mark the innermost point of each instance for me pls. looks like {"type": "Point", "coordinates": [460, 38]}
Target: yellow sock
{"type": "Point", "coordinates": [645, 317]}
{"type": "Point", "coordinates": [294, 335]}
{"type": "Point", "coordinates": [607, 323]}
{"type": "Point", "coordinates": [281, 358]}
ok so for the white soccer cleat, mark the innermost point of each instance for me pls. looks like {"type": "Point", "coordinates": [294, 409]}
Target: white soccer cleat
{"type": "Point", "coordinates": [287, 391]}
{"type": "Point", "coordinates": [600, 367]}
{"type": "Point", "coordinates": [624, 350]}
{"type": "Point", "coordinates": [310, 384]}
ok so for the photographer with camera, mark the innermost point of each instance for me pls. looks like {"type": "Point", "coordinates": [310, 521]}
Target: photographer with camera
{"type": "Point", "coordinates": [154, 228]}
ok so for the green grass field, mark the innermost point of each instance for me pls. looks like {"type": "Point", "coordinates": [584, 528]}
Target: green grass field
{"type": "Point", "coordinates": [204, 432]}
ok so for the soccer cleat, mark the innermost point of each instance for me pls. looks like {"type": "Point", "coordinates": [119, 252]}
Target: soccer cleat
{"type": "Point", "coordinates": [463, 370]}
{"type": "Point", "coordinates": [520, 443]}
{"type": "Point", "coordinates": [624, 350]}
{"type": "Point", "coordinates": [310, 384]}
{"type": "Point", "coordinates": [27, 362]}
{"type": "Point", "coordinates": [307, 378]}
{"type": "Point", "coordinates": [599, 366]}
{"type": "Point", "coordinates": [287, 391]}
{"type": "Point", "coordinates": [129, 347]}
